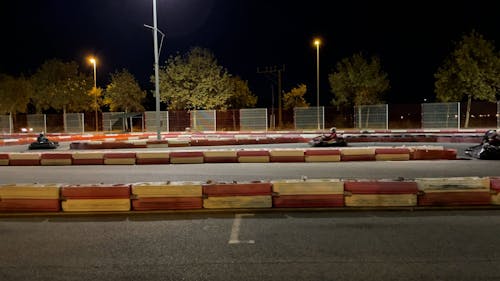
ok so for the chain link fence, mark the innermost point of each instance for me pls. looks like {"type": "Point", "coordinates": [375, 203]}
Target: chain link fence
{"type": "Point", "coordinates": [37, 122]}
{"type": "Point", "coordinates": [113, 121]}
{"type": "Point", "coordinates": [75, 123]}
{"type": "Point", "coordinates": [371, 116]}
{"type": "Point", "coordinates": [150, 122]}
{"type": "Point", "coordinates": [253, 119]}
{"type": "Point", "coordinates": [441, 115]}
{"type": "Point", "coordinates": [203, 120]}
{"type": "Point", "coordinates": [309, 118]}
{"type": "Point", "coordinates": [6, 126]}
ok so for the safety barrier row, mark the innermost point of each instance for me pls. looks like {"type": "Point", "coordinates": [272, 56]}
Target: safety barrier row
{"type": "Point", "coordinates": [228, 156]}
{"type": "Point", "coordinates": [313, 193]}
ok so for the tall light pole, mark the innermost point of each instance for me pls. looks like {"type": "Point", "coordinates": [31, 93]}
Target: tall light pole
{"type": "Point", "coordinates": [317, 42]}
{"type": "Point", "coordinates": [157, 79]}
{"type": "Point", "coordinates": [94, 62]}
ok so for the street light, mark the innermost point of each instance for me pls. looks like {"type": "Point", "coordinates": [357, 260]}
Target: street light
{"type": "Point", "coordinates": [157, 79]}
{"type": "Point", "coordinates": [94, 62]}
{"type": "Point", "coordinates": [317, 42]}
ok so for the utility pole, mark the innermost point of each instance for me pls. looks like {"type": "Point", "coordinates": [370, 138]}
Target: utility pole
{"type": "Point", "coordinates": [276, 72]}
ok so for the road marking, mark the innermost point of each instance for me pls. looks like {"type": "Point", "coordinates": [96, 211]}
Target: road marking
{"type": "Point", "coordinates": [235, 230]}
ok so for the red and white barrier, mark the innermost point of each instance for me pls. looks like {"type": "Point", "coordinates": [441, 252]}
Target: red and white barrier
{"type": "Point", "coordinates": [380, 193]}
{"type": "Point", "coordinates": [95, 198]}
{"type": "Point", "coordinates": [453, 191]}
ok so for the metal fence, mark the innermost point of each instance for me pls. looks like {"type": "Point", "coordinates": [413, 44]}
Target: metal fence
{"type": "Point", "coordinates": [6, 124]}
{"type": "Point", "coordinates": [309, 117]}
{"type": "Point", "coordinates": [395, 116]}
{"type": "Point", "coordinates": [441, 115]}
{"type": "Point", "coordinates": [203, 120]}
{"type": "Point", "coordinates": [37, 122]}
{"type": "Point", "coordinates": [150, 123]}
{"type": "Point", "coordinates": [113, 121]}
{"type": "Point", "coordinates": [253, 119]}
{"type": "Point", "coordinates": [371, 116]}
{"type": "Point", "coordinates": [75, 123]}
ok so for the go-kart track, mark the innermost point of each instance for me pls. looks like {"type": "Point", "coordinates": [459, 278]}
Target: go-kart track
{"type": "Point", "coordinates": [387, 166]}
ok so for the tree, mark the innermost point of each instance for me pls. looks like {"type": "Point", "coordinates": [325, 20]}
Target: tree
{"type": "Point", "coordinates": [15, 94]}
{"type": "Point", "coordinates": [59, 85]}
{"type": "Point", "coordinates": [195, 81]}
{"type": "Point", "coordinates": [471, 71]}
{"type": "Point", "coordinates": [295, 98]}
{"type": "Point", "coordinates": [240, 94]}
{"type": "Point", "coordinates": [358, 81]}
{"type": "Point", "coordinates": [124, 93]}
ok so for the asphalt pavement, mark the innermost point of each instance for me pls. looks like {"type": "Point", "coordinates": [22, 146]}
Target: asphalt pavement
{"type": "Point", "coordinates": [424, 245]}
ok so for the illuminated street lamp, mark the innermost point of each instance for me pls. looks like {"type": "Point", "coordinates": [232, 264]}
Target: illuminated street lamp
{"type": "Point", "coordinates": [93, 61]}
{"type": "Point", "coordinates": [317, 42]}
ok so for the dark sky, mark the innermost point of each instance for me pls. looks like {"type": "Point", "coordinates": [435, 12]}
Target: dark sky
{"type": "Point", "coordinates": [412, 38]}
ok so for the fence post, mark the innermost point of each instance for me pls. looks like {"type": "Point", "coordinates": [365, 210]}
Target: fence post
{"type": "Point", "coordinates": [458, 110]}
{"type": "Point", "coordinates": [387, 116]}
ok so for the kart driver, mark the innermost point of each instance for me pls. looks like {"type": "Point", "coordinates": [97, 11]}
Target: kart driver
{"type": "Point", "coordinates": [41, 138]}
{"type": "Point", "coordinates": [332, 136]}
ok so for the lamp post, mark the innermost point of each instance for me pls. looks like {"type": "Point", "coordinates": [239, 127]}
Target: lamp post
{"type": "Point", "coordinates": [94, 62]}
{"type": "Point", "coordinates": [317, 42]}
{"type": "Point", "coordinates": [157, 79]}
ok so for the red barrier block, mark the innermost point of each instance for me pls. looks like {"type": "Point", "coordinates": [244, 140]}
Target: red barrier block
{"type": "Point", "coordinates": [308, 201]}
{"type": "Point", "coordinates": [167, 203]}
{"type": "Point", "coordinates": [4, 159]}
{"type": "Point", "coordinates": [424, 154]}
{"type": "Point", "coordinates": [96, 191]}
{"type": "Point", "coordinates": [495, 184]}
{"type": "Point", "coordinates": [30, 205]}
{"type": "Point", "coordinates": [56, 159]}
{"type": "Point", "coordinates": [381, 187]}
{"type": "Point", "coordinates": [321, 152]}
{"type": "Point", "coordinates": [455, 198]}
{"type": "Point", "coordinates": [24, 159]}
{"type": "Point", "coordinates": [237, 189]}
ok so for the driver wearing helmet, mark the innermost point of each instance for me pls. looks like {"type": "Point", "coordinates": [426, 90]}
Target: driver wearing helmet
{"type": "Point", "coordinates": [41, 138]}
{"type": "Point", "coordinates": [333, 134]}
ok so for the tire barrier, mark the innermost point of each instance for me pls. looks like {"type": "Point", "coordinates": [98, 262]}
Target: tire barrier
{"type": "Point", "coordinates": [453, 191]}
{"type": "Point", "coordinates": [29, 198]}
{"type": "Point", "coordinates": [95, 198]}
{"type": "Point", "coordinates": [167, 196]}
{"type": "Point", "coordinates": [495, 191]}
{"type": "Point", "coordinates": [322, 155]}
{"type": "Point", "coordinates": [392, 154]}
{"type": "Point", "coordinates": [220, 156]}
{"type": "Point", "coordinates": [119, 158]}
{"type": "Point", "coordinates": [142, 158]}
{"type": "Point", "coordinates": [286, 155]}
{"type": "Point", "coordinates": [314, 193]}
{"type": "Point", "coordinates": [24, 159]}
{"type": "Point", "coordinates": [309, 193]}
{"type": "Point", "coordinates": [186, 157]}
{"type": "Point", "coordinates": [380, 194]}
{"type": "Point", "coordinates": [56, 159]}
{"type": "Point", "coordinates": [357, 154]}
{"type": "Point", "coordinates": [253, 195]}
{"type": "Point", "coordinates": [88, 158]}
{"type": "Point", "coordinates": [253, 156]}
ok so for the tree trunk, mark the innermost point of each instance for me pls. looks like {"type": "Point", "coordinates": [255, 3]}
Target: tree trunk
{"type": "Point", "coordinates": [467, 113]}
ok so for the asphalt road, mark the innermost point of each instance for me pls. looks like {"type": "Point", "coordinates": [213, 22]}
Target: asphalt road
{"type": "Point", "coordinates": [424, 245]}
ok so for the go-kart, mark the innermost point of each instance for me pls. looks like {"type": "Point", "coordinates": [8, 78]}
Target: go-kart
{"type": "Point", "coordinates": [44, 144]}
{"type": "Point", "coordinates": [325, 140]}
{"type": "Point", "coordinates": [489, 149]}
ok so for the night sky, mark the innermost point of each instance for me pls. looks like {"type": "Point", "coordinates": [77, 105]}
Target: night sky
{"type": "Point", "coordinates": [412, 38]}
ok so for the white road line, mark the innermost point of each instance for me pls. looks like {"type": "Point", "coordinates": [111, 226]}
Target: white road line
{"type": "Point", "coordinates": [235, 230]}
